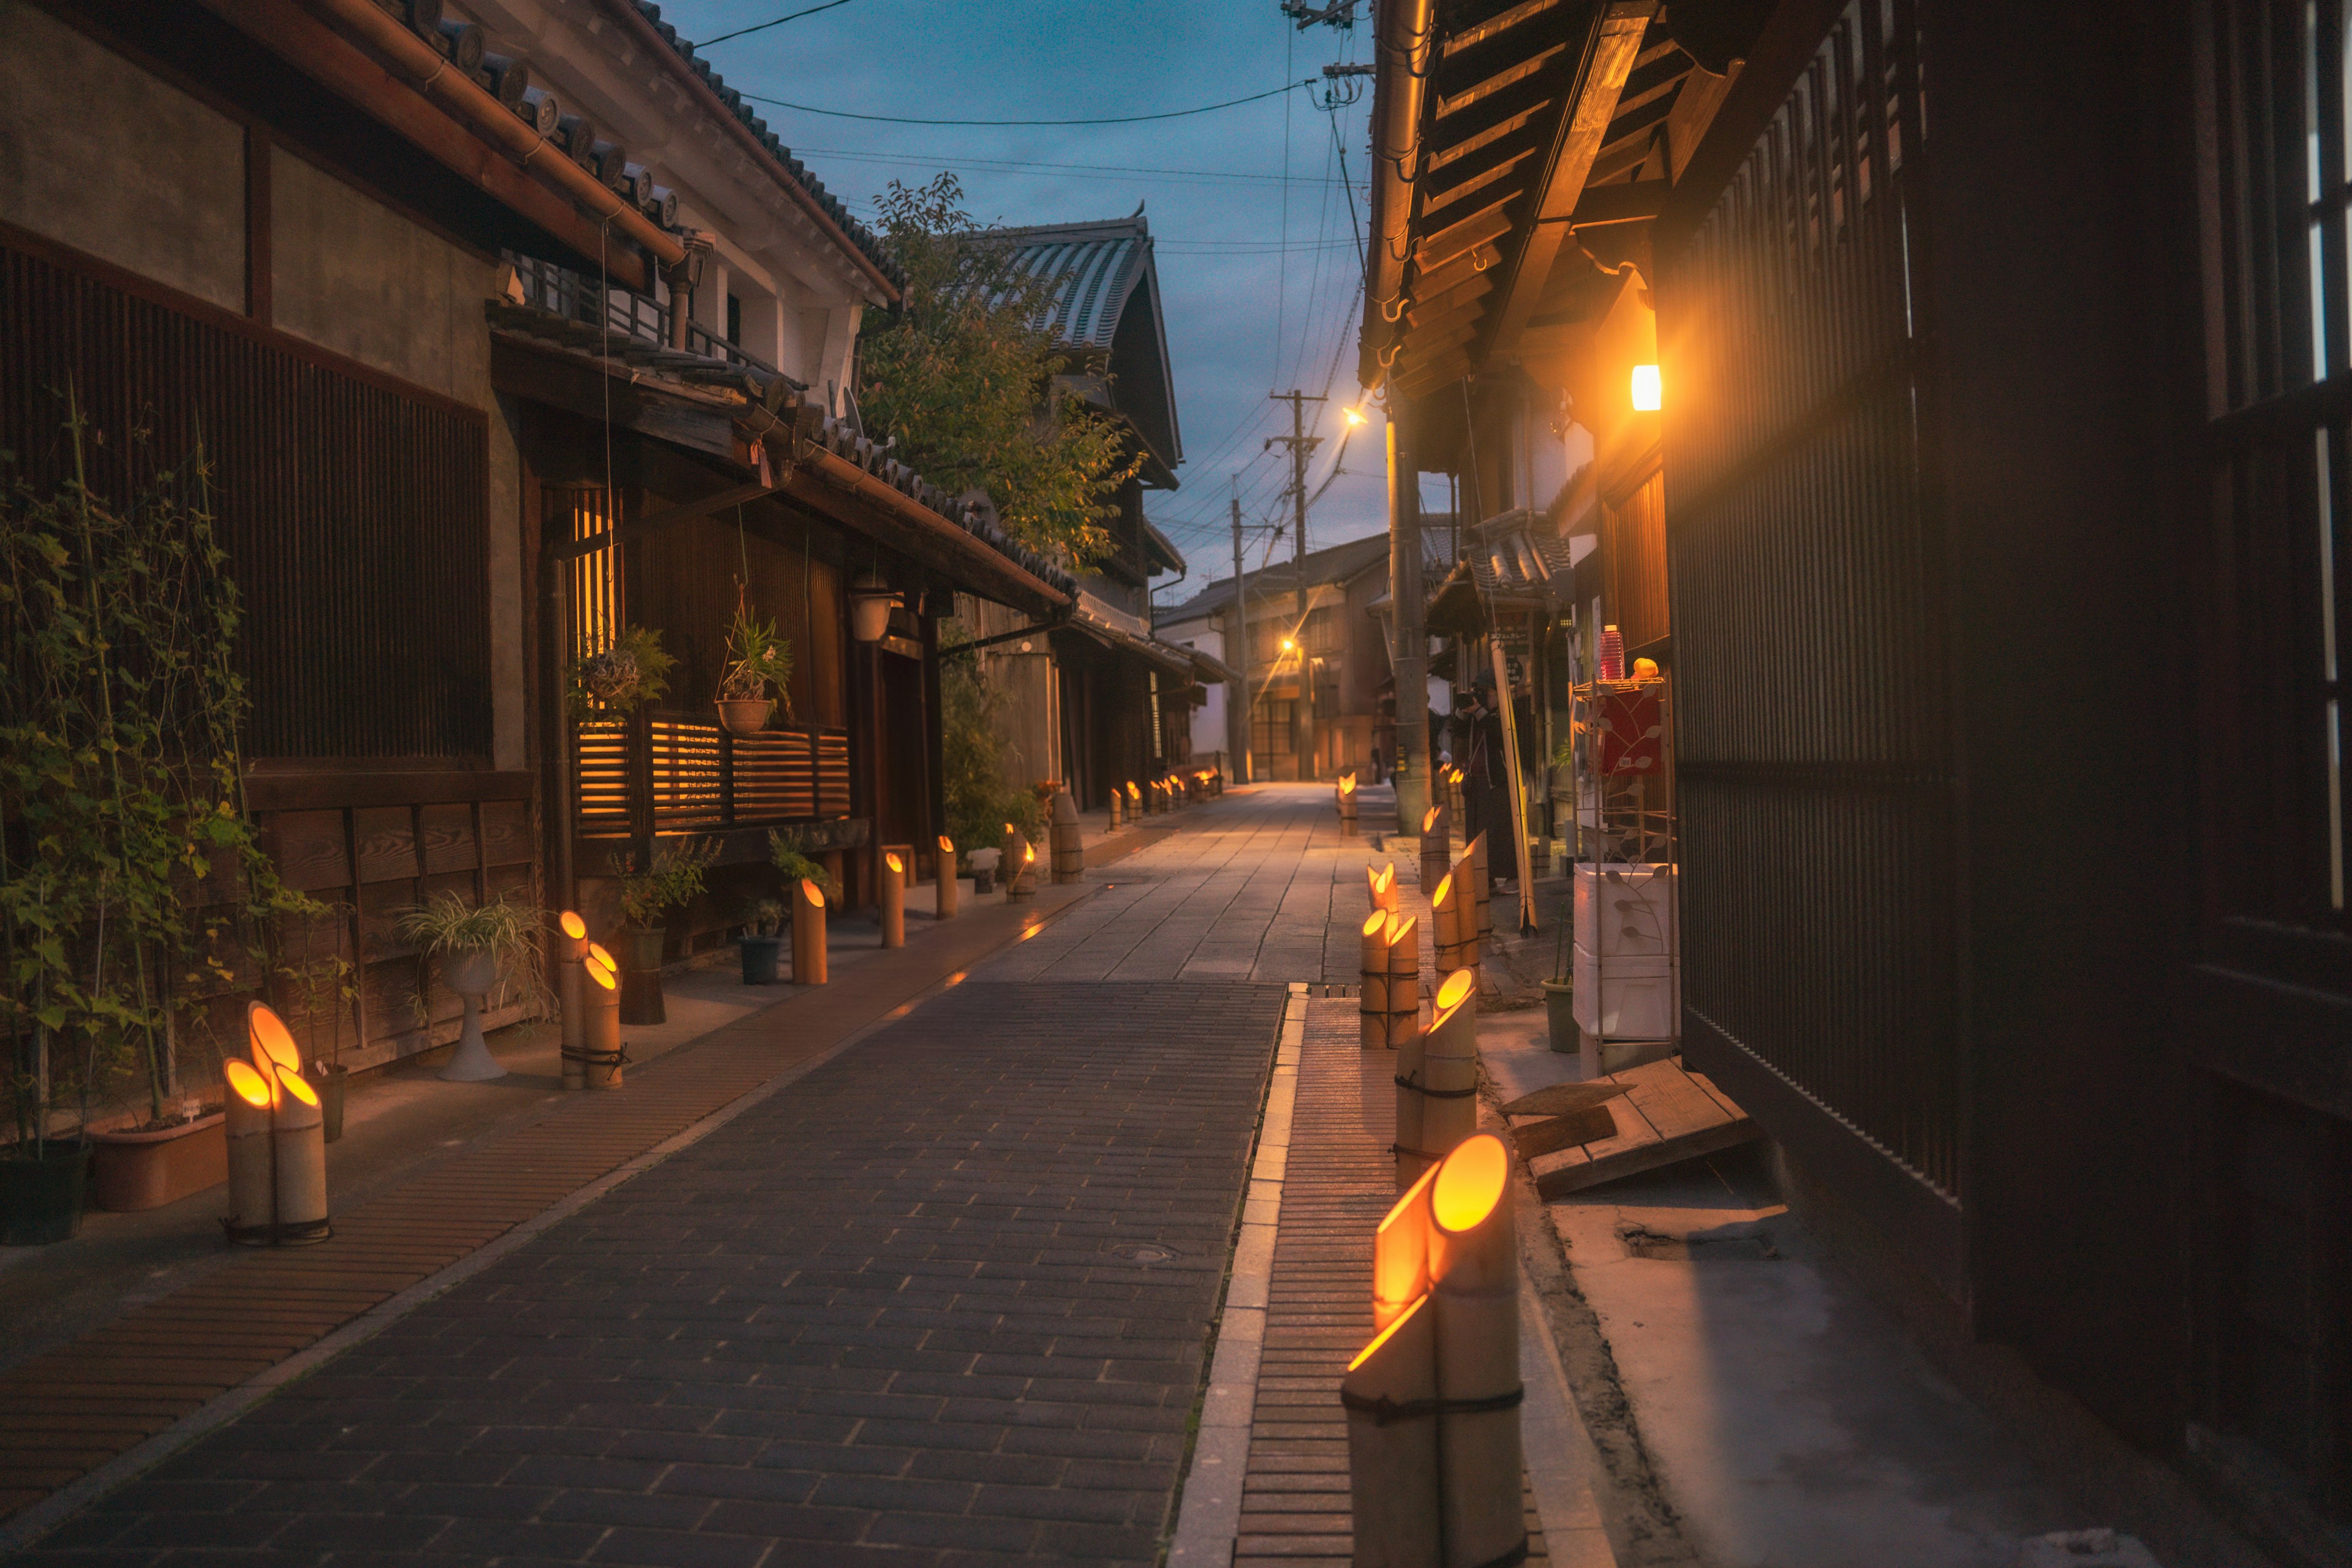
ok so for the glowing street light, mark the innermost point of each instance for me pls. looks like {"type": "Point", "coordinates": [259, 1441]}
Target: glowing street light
{"type": "Point", "coordinates": [1354, 415]}
{"type": "Point", "coordinates": [1648, 393]}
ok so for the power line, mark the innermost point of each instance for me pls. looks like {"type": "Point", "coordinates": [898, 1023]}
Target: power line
{"type": "Point", "coordinates": [763, 27]}
{"type": "Point", "coordinates": [1102, 120]}
{"type": "Point", "coordinates": [939, 160]}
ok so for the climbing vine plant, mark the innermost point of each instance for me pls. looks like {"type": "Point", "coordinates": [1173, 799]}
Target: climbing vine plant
{"type": "Point", "coordinates": [132, 886]}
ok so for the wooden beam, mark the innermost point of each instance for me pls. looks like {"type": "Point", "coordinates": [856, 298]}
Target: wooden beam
{"type": "Point", "coordinates": [718, 501]}
{"type": "Point", "coordinates": [1636, 203]}
{"type": "Point", "coordinates": [1488, 224]}
{"type": "Point", "coordinates": [1610, 52]}
{"type": "Point", "coordinates": [1782, 52]}
{"type": "Point", "coordinates": [307, 44]}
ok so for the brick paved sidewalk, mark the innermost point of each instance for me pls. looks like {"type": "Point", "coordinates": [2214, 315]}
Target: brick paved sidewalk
{"type": "Point", "coordinates": [946, 1300]}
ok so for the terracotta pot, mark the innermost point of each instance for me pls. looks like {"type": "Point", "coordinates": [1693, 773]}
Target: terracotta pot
{"type": "Point", "coordinates": [744, 715]}
{"type": "Point", "coordinates": [40, 1200]}
{"type": "Point", "coordinates": [134, 1171]}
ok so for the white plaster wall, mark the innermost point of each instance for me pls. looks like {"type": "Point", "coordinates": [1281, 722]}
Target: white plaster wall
{"type": "Point", "coordinates": [98, 154]}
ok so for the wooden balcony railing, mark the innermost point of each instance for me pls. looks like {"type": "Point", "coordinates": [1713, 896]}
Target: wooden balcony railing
{"type": "Point", "coordinates": [655, 772]}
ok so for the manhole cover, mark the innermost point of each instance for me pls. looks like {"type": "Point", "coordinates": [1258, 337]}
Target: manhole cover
{"type": "Point", "coordinates": [1142, 1252]}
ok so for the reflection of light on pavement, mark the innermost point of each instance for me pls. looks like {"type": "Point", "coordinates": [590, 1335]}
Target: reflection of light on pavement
{"type": "Point", "coordinates": [955, 979]}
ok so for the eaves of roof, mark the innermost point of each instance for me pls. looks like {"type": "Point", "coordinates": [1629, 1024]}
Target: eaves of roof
{"type": "Point", "coordinates": [865, 247]}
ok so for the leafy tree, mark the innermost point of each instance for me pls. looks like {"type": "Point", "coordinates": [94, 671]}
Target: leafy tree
{"type": "Point", "coordinates": [978, 802]}
{"type": "Point", "coordinates": [962, 375]}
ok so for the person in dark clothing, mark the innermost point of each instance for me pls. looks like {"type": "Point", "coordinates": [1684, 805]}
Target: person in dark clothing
{"type": "Point", "coordinates": [1486, 782]}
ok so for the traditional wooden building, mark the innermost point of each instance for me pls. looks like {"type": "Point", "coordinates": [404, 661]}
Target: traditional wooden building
{"type": "Point", "coordinates": [504, 329]}
{"type": "Point", "coordinates": [1974, 465]}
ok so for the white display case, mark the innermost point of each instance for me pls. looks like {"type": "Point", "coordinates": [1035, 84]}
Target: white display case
{"type": "Point", "coordinates": [1625, 909]}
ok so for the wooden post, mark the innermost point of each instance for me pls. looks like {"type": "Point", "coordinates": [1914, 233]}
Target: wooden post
{"type": "Point", "coordinates": [1474, 1271]}
{"type": "Point", "coordinates": [298, 1144]}
{"type": "Point", "coordinates": [892, 886]}
{"type": "Point", "coordinates": [571, 952]}
{"type": "Point", "coordinates": [808, 934]}
{"type": "Point", "coordinates": [950, 889]}
{"type": "Point", "coordinates": [1069, 846]}
{"type": "Point", "coordinates": [252, 1189]}
{"type": "Point", "coordinates": [1392, 1461]}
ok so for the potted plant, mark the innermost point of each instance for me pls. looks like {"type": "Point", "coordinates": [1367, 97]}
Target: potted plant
{"type": "Point", "coordinates": [670, 880]}
{"type": "Point", "coordinates": [799, 867]}
{"type": "Point", "coordinates": [763, 944]}
{"type": "Point", "coordinates": [475, 945]}
{"type": "Point", "coordinates": [756, 661]}
{"type": "Point", "coordinates": [616, 681]}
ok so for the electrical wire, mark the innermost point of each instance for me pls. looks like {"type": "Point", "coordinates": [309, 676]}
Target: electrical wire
{"type": "Point", "coordinates": [942, 160]}
{"type": "Point", "coordinates": [763, 27]}
{"type": "Point", "coordinates": [1101, 120]}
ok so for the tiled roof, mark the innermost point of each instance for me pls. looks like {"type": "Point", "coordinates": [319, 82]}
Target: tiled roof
{"type": "Point", "coordinates": [1332, 563]}
{"type": "Point", "coordinates": [1094, 268]}
{"type": "Point", "coordinates": [864, 239]}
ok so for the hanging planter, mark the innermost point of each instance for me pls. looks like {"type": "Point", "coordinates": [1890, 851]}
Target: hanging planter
{"type": "Point", "coordinates": [758, 660]}
{"type": "Point", "coordinates": [870, 603]}
{"type": "Point", "coordinates": [620, 678]}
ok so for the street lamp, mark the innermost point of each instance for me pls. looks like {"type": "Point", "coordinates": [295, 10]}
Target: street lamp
{"type": "Point", "coordinates": [1647, 392]}
{"type": "Point", "coordinates": [1353, 416]}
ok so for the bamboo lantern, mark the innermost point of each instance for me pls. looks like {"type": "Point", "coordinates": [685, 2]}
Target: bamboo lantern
{"type": "Point", "coordinates": [1008, 859]}
{"type": "Point", "coordinates": [1392, 1461]}
{"type": "Point", "coordinates": [1465, 886]}
{"type": "Point", "coordinates": [1475, 1264]}
{"type": "Point", "coordinates": [297, 1146]}
{"type": "Point", "coordinates": [252, 1190]}
{"type": "Point", "coordinates": [1454, 794]}
{"type": "Point", "coordinates": [601, 1056]}
{"type": "Point", "coordinates": [1419, 1119]}
{"type": "Point", "coordinates": [1373, 994]}
{"type": "Point", "coordinates": [1483, 885]}
{"type": "Point", "coordinates": [269, 1040]}
{"type": "Point", "coordinates": [1134, 799]}
{"type": "Point", "coordinates": [950, 889]}
{"type": "Point", "coordinates": [1446, 917]}
{"type": "Point", "coordinates": [1400, 1253]}
{"type": "Point", "coordinates": [1401, 938]}
{"type": "Point", "coordinates": [893, 901]}
{"type": "Point", "coordinates": [572, 952]}
{"type": "Point", "coordinates": [808, 934]}
{"type": "Point", "coordinates": [1347, 790]}
{"type": "Point", "coordinates": [1437, 844]}
{"type": "Point", "coordinates": [1069, 847]}
{"type": "Point", "coordinates": [906, 854]}
{"type": "Point", "coordinates": [1118, 810]}
{"type": "Point", "coordinates": [1382, 886]}
{"type": "Point", "coordinates": [1449, 1067]}
{"type": "Point", "coordinates": [1024, 886]}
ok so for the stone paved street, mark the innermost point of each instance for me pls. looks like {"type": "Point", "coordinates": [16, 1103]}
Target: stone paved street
{"type": "Point", "coordinates": [945, 1299]}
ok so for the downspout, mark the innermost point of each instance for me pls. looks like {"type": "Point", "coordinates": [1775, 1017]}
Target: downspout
{"type": "Point", "coordinates": [1405, 41]}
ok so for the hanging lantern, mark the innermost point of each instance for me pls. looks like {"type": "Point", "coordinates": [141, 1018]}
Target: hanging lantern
{"type": "Point", "coordinates": [1649, 395]}
{"type": "Point", "coordinates": [870, 603]}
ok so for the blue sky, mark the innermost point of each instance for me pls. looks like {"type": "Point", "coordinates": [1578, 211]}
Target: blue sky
{"type": "Point", "coordinates": [1248, 309]}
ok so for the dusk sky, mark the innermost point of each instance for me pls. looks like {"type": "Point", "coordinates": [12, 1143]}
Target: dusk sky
{"type": "Point", "coordinates": [1255, 299]}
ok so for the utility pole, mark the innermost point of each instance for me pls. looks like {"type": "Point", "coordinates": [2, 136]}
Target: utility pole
{"type": "Point", "coordinates": [1409, 659]}
{"type": "Point", "coordinates": [1237, 724]}
{"type": "Point", "coordinates": [1302, 446]}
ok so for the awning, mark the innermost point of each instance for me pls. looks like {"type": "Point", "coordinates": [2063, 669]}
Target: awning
{"type": "Point", "coordinates": [1115, 629]}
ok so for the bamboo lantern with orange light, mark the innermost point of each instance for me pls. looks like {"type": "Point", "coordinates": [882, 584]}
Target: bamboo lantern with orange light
{"type": "Point", "coordinates": [809, 950]}
{"type": "Point", "coordinates": [1134, 798]}
{"type": "Point", "coordinates": [1070, 844]}
{"type": "Point", "coordinates": [949, 888]}
{"type": "Point", "coordinates": [298, 1143]}
{"type": "Point", "coordinates": [1474, 1269]}
{"type": "Point", "coordinates": [1372, 990]}
{"type": "Point", "coordinates": [1417, 1129]}
{"type": "Point", "coordinates": [1465, 875]}
{"type": "Point", "coordinates": [571, 952]}
{"type": "Point", "coordinates": [1392, 1459]}
{"type": "Point", "coordinates": [1437, 844]}
{"type": "Point", "coordinates": [1403, 1020]}
{"type": "Point", "coordinates": [1118, 809]}
{"type": "Point", "coordinates": [892, 887]}
{"type": "Point", "coordinates": [1382, 887]}
{"type": "Point", "coordinates": [1346, 793]}
{"type": "Point", "coordinates": [599, 1060]}
{"type": "Point", "coordinates": [1008, 858]}
{"type": "Point", "coordinates": [1454, 777]}
{"type": "Point", "coordinates": [1024, 886]}
{"type": "Point", "coordinates": [252, 1189]}
{"type": "Point", "coordinates": [1449, 914]}
{"type": "Point", "coordinates": [1449, 1067]}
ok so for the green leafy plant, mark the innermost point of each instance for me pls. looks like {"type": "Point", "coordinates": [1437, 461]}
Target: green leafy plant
{"type": "Point", "coordinates": [632, 671]}
{"type": "Point", "coordinates": [671, 880]}
{"type": "Point", "coordinates": [446, 924]}
{"type": "Point", "coordinates": [765, 916]}
{"type": "Point", "coordinates": [133, 889]}
{"type": "Point", "coordinates": [757, 659]}
{"type": "Point", "coordinates": [962, 377]}
{"type": "Point", "coordinates": [797, 867]}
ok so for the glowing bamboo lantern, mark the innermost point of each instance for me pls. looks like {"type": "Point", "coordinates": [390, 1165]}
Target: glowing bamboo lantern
{"type": "Point", "coordinates": [572, 952]}
{"type": "Point", "coordinates": [1449, 1067]}
{"type": "Point", "coordinates": [252, 1191]}
{"type": "Point", "coordinates": [1402, 939]}
{"type": "Point", "coordinates": [1392, 1459]}
{"type": "Point", "coordinates": [1446, 916]}
{"type": "Point", "coordinates": [1465, 872]}
{"type": "Point", "coordinates": [298, 1144]}
{"type": "Point", "coordinates": [893, 889]}
{"type": "Point", "coordinates": [808, 934]}
{"type": "Point", "coordinates": [1437, 844]}
{"type": "Point", "coordinates": [1373, 992]}
{"type": "Point", "coordinates": [1484, 886]}
{"type": "Point", "coordinates": [1008, 858]}
{"type": "Point", "coordinates": [1420, 1118]}
{"type": "Point", "coordinates": [270, 1042]}
{"type": "Point", "coordinates": [1382, 887]}
{"type": "Point", "coordinates": [1118, 809]}
{"type": "Point", "coordinates": [1024, 885]}
{"type": "Point", "coordinates": [1348, 805]}
{"type": "Point", "coordinates": [1475, 1269]}
{"type": "Point", "coordinates": [601, 1058]}
{"type": "Point", "coordinates": [1400, 1249]}
{"type": "Point", "coordinates": [950, 889]}
{"type": "Point", "coordinates": [1134, 798]}
{"type": "Point", "coordinates": [1069, 847]}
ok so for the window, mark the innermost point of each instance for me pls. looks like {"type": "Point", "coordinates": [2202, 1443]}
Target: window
{"type": "Point", "coordinates": [1270, 729]}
